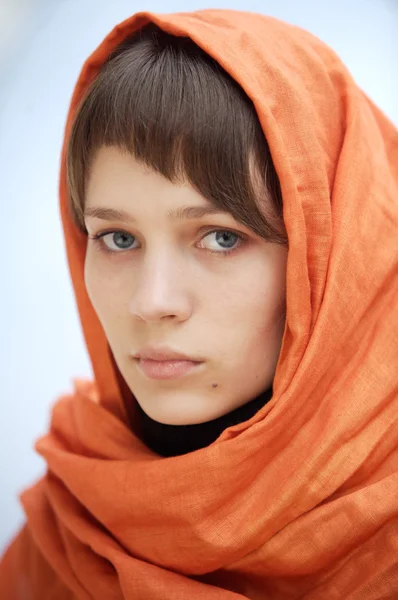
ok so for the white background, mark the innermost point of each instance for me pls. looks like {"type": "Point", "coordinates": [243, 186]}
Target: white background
{"type": "Point", "coordinates": [43, 45]}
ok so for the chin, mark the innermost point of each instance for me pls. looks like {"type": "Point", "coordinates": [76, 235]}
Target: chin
{"type": "Point", "coordinates": [176, 414]}
{"type": "Point", "coordinates": [178, 418]}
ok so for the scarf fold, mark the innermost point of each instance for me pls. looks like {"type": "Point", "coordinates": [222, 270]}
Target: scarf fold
{"type": "Point", "coordinates": [300, 500]}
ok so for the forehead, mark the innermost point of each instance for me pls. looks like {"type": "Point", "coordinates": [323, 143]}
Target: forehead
{"type": "Point", "coordinates": [119, 182]}
{"type": "Point", "coordinates": [115, 173]}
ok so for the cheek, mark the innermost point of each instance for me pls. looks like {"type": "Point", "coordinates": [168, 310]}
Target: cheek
{"type": "Point", "coordinates": [265, 320]}
{"type": "Point", "coordinates": [269, 296]}
{"type": "Point", "coordinates": [92, 280]}
{"type": "Point", "coordinates": [100, 289]}
{"type": "Point", "coordinates": [256, 304]}
{"type": "Point", "coordinates": [254, 316]}
{"type": "Point", "coordinates": [264, 331]}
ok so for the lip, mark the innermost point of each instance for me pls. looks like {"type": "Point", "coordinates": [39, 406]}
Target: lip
{"type": "Point", "coordinates": [164, 353]}
{"type": "Point", "coordinates": [166, 369]}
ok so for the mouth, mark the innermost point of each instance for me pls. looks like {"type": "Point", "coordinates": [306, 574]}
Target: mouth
{"type": "Point", "coordinates": [167, 369]}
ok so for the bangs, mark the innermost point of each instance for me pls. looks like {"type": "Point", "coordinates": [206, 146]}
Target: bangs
{"type": "Point", "coordinates": [164, 101]}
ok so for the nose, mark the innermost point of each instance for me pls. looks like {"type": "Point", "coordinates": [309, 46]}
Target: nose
{"type": "Point", "coordinates": [161, 291]}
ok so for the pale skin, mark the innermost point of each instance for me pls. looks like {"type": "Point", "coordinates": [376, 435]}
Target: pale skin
{"type": "Point", "coordinates": [170, 281]}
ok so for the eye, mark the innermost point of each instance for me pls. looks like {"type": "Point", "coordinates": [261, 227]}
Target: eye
{"type": "Point", "coordinates": [115, 241]}
{"type": "Point", "coordinates": [223, 241]}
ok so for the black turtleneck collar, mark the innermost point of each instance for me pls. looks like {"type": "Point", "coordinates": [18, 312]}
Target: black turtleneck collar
{"type": "Point", "coordinates": [174, 440]}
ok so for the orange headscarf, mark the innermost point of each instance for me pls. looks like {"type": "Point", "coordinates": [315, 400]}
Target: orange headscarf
{"type": "Point", "coordinates": [301, 501]}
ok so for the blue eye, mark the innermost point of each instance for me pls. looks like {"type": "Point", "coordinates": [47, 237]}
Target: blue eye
{"type": "Point", "coordinates": [116, 242]}
{"type": "Point", "coordinates": [226, 239]}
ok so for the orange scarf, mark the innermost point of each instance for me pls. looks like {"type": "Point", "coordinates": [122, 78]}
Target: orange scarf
{"type": "Point", "coordinates": [301, 500]}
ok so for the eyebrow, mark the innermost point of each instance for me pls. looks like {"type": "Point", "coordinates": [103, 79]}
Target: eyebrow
{"type": "Point", "coordinates": [183, 212]}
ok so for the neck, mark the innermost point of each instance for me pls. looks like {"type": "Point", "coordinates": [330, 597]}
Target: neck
{"type": "Point", "coordinates": [174, 440]}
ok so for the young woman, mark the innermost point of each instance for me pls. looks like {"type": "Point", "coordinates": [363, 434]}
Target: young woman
{"type": "Point", "coordinates": [228, 197]}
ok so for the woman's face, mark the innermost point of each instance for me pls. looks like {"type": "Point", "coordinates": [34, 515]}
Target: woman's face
{"type": "Point", "coordinates": [203, 285]}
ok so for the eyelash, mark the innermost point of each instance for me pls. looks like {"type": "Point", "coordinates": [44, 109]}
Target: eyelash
{"type": "Point", "coordinates": [97, 238]}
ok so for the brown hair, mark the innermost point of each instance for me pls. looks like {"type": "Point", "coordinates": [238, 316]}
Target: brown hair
{"type": "Point", "coordinates": [162, 99]}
